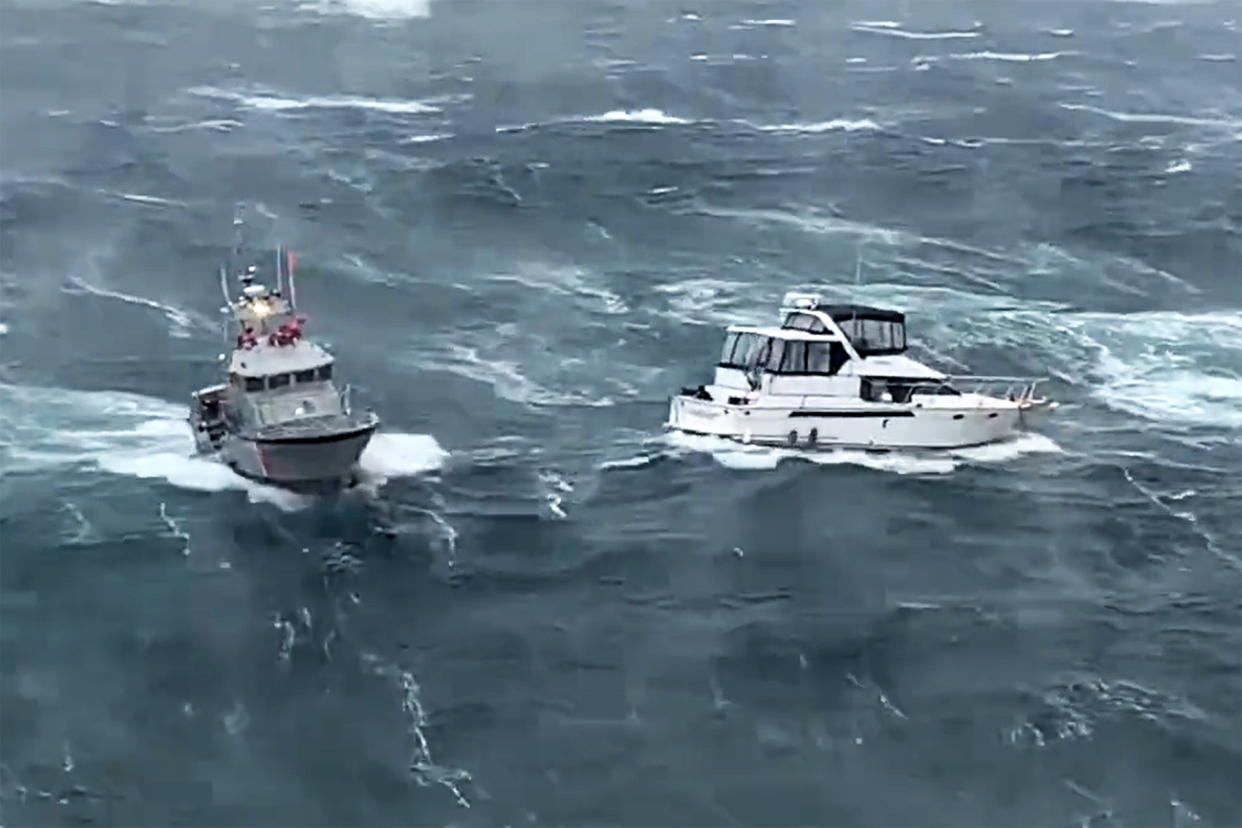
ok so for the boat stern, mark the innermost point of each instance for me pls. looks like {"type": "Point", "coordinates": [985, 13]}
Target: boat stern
{"type": "Point", "coordinates": [695, 411]}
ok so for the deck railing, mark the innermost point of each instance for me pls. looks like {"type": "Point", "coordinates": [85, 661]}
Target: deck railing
{"type": "Point", "coordinates": [1017, 389]}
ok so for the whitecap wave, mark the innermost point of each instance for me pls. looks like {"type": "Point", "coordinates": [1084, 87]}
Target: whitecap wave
{"type": "Point", "coordinates": [893, 31]}
{"type": "Point", "coordinates": [371, 9]}
{"type": "Point", "coordinates": [181, 325]}
{"type": "Point", "coordinates": [1007, 57]}
{"type": "Point", "coordinates": [1154, 117]}
{"type": "Point", "coordinates": [834, 125]}
{"type": "Point", "coordinates": [636, 116]}
{"type": "Point", "coordinates": [275, 103]}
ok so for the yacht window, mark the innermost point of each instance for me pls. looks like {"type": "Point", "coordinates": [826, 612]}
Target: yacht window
{"type": "Point", "coordinates": [874, 335]}
{"type": "Point", "coordinates": [254, 383]}
{"type": "Point", "coordinates": [794, 360]}
{"type": "Point", "coordinates": [741, 354]}
{"type": "Point", "coordinates": [805, 322]}
{"type": "Point", "coordinates": [824, 357]}
{"type": "Point", "coordinates": [775, 352]}
{"type": "Point", "coordinates": [305, 376]}
{"type": "Point", "coordinates": [324, 372]}
{"type": "Point", "coordinates": [277, 380]}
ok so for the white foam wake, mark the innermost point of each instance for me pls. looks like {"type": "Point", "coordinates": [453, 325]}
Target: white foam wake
{"type": "Point", "coordinates": [893, 31]}
{"type": "Point", "coordinates": [371, 9]}
{"type": "Point", "coordinates": [276, 103]}
{"type": "Point", "coordinates": [636, 116]}
{"type": "Point", "coordinates": [737, 456]}
{"type": "Point", "coordinates": [181, 323]}
{"type": "Point", "coordinates": [137, 436]}
{"type": "Point", "coordinates": [392, 454]}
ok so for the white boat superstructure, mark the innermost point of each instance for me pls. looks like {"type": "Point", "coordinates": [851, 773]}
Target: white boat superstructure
{"type": "Point", "coordinates": [834, 375]}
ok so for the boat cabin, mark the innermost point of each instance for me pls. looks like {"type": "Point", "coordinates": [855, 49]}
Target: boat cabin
{"type": "Point", "coordinates": [823, 349]}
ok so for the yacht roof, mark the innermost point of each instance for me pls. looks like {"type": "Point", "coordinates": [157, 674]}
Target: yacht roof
{"type": "Point", "coordinates": [784, 333]}
{"type": "Point", "coordinates": [264, 359]}
{"type": "Point", "coordinates": [850, 311]}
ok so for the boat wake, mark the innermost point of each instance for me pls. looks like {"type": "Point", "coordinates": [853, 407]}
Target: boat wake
{"type": "Point", "coordinates": [735, 455]}
{"type": "Point", "coordinates": [131, 435]}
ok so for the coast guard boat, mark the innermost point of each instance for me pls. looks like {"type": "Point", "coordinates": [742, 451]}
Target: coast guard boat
{"type": "Point", "coordinates": [837, 375]}
{"type": "Point", "coordinates": [278, 417]}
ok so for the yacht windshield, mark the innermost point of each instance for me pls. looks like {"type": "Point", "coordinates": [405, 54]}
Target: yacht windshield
{"type": "Point", "coordinates": [746, 351]}
{"type": "Point", "coordinates": [874, 336]}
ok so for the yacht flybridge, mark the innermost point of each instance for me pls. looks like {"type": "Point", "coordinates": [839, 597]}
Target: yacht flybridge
{"type": "Point", "coordinates": [835, 375]}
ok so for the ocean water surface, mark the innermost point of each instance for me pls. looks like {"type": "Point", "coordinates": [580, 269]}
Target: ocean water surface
{"type": "Point", "coordinates": [521, 226]}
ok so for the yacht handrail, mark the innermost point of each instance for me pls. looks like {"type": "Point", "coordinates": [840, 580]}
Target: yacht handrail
{"type": "Point", "coordinates": [1020, 389]}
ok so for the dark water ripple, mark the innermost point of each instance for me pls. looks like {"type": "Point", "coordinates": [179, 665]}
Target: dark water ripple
{"type": "Point", "coordinates": [521, 227]}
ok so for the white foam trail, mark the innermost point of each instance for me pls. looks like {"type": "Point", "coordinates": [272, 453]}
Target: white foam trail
{"type": "Point", "coordinates": [1219, 58]}
{"type": "Point", "coordinates": [1061, 32]}
{"type": "Point", "coordinates": [1154, 118]}
{"type": "Point", "coordinates": [274, 103]}
{"type": "Point", "coordinates": [116, 432]}
{"type": "Point", "coordinates": [893, 31]}
{"type": "Point", "coordinates": [371, 9]}
{"type": "Point", "coordinates": [426, 139]}
{"type": "Point", "coordinates": [390, 455]}
{"type": "Point", "coordinates": [774, 21]}
{"type": "Point", "coordinates": [737, 456]}
{"type": "Point", "coordinates": [835, 125]}
{"type": "Point", "coordinates": [637, 116]}
{"type": "Point", "coordinates": [214, 124]}
{"type": "Point", "coordinates": [139, 198]}
{"type": "Point", "coordinates": [1009, 57]}
{"type": "Point", "coordinates": [1179, 166]}
{"type": "Point", "coordinates": [182, 323]}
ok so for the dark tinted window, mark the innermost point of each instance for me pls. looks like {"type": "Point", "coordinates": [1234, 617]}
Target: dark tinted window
{"type": "Point", "coordinates": [794, 360]}
{"type": "Point", "coordinates": [739, 350]}
{"type": "Point", "coordinates": [873, 335]}
{"type": "Point", "coordinates": [277, 380]}
{"type": "Point", "coordinates": [324, 372]}
{"type": "Point", "coordinates": [254, 383]}
{"type": "Point", "coordinates": [804, 322]}
{"type": "Point", "coordinates": [305, 376]}
{"type": "Point", "coordinates": [825, 357]}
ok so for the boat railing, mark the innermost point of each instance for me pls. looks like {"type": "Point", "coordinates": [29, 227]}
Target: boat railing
{"type": "Point", "coordinates": [346, 395]}
{"type": "Point", "coordinates": [1015, 389]}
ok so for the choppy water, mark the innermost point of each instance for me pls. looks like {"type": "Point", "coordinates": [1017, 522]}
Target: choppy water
{"type": "Point", "coordinates": [522, 225]}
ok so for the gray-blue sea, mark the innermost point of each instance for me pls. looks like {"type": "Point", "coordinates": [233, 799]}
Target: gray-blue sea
{"type": "Point", "coordinates": [521, 225]}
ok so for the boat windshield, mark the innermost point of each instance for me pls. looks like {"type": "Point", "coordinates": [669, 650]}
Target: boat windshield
{"type": "Point", "coordinates": [874, 336]}
{"type": "Point", "coordinates": [749, 351]}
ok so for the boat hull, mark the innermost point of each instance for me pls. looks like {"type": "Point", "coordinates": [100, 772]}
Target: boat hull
{"type": "Point", "coordinates": [299, 463]}
{"type": "Point", "coordinates": [870, 426]}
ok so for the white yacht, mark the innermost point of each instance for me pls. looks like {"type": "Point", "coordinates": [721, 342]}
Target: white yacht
{"type": "Point", "coordinates": [836, 376]}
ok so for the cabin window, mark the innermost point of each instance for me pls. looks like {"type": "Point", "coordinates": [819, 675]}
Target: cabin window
{"type": "Point", "coordinates": [305, 376]}
{"type": "Point", "coordinates": [794, 360]}
{"type": "Point", "coordinates": [874, 335]}
{"type": "Point", "coordinates": [825, 357]}
{"type": "Point", "coordinates": [805, 322]}
{"type": "Point", "coordinates": [739, 350]}
{"type": "Point", "coordinates": [324, 372]}
{"type": "Point", "coordinates": [278, 380]}
{"type": "Point", "coordinates": [254, 383]}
